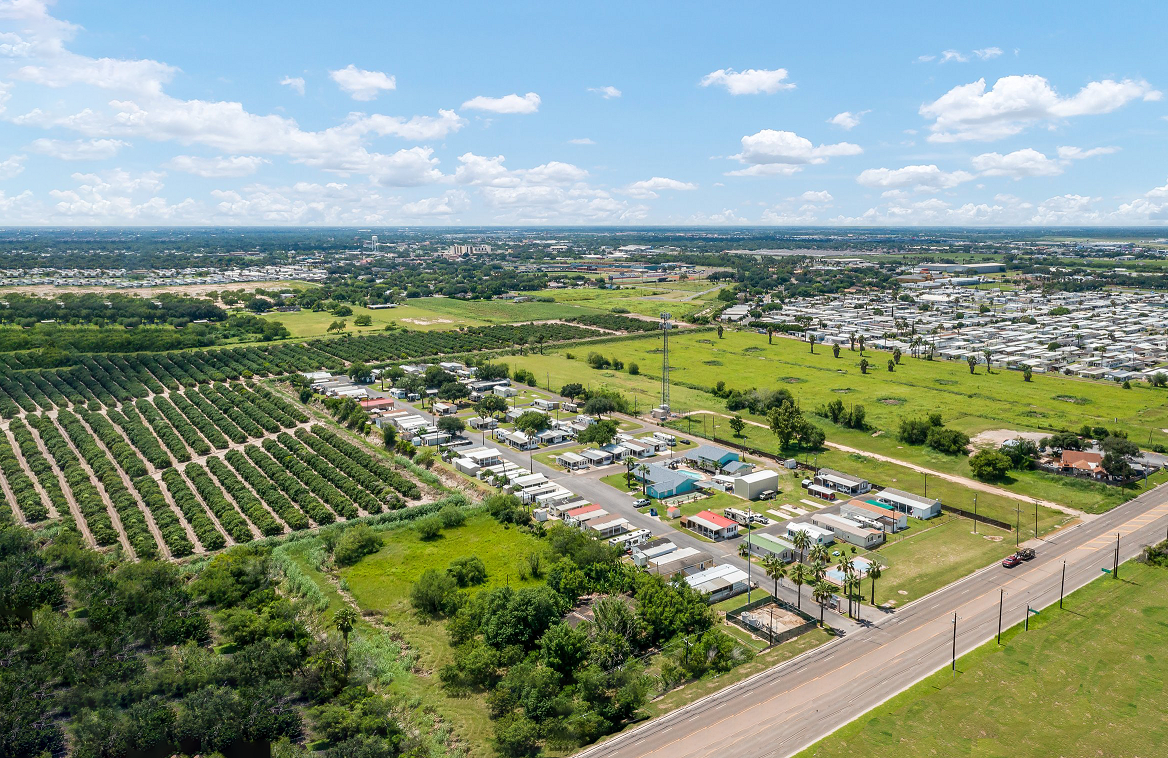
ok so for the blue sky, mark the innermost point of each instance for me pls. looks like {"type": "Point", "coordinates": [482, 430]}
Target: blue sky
{"type": "Point", "coordinates": [583, 113]}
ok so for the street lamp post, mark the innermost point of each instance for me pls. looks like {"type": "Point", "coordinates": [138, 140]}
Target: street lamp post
{"type": "Point", "coordinates": [1115, 570]}
{"type": "Point", "coordinates": [1062, 585]}
{"type": "Point", "coordinates": [975, 513]}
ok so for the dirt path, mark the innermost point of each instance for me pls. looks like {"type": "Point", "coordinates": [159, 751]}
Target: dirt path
{"type": "Point", "coordinates": [129, 485]}
{"type": "Point", "coordinates": [115, 519]}
{"type": "Point", "coordinates": [955, 478]}
{"type": "Point", "coordinates": [74, 509]}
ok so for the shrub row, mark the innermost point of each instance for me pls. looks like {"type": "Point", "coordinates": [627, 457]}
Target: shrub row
{"type": "Point", "coordinates": [229, 518]}
{"type": "Point", "coordinates": [407, 487]}
{"type": "Point", "coordinates": [167, 521]}
{"type": "Point", "coordinates": [270, 493]}
{"type": "Point", "coordinates": [315, 483]}
{"type": "Point", "coordinates": [41, 468]}
{"type": "Point", "coordinates": [28, 500]}
{"type": "Point", "coordinates": [85, 494]}
{"type": "Point", "coordinates": [193, 510]}
{"type": "Point", "coordinates": [125, 504]}
{"type": "Point", "coordinates": [290, 486]}
{"type": "Point", "coordinates": [247, 502]}
{"type": "Point", "coordinates": [352, 490]}
{"type": "Point", "coordinates": [199, 420]}
{"type": "Point", "coordinates": [171, 439]}
{"type": "Point", "coordinates": [142, 438]}
{"type": "Point", "coordinates": [125, 455]}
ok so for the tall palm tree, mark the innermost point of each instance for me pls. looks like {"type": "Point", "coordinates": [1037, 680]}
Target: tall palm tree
{"type": "Point", "coordinates": [800, 575]}
{"type": "Point", "coordinates": [630, 462]}
{"type": "Point", "coordinates": [874, 574]}
{"type": "Point", "coordinates": [821, 593]}
{"type": "Point", "coordinates": [344, 620]}
{"type": "Point", "coordinates": [818, 554]}
{"type": "Point", "coordinates": [844, 566]}
{"type": "Point", "coordinates": [818, 570]}
{"type": "Point", "coordinates": [802, 541]}
{"type": "Point", "coordinates": [644, 471]}
{"type": "Point", "coordinates": [775, 569]}
{"type": "Point", "coordinates": [743, 550]}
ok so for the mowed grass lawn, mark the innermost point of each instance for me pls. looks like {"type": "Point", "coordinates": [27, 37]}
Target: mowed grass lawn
{"type": "Point", "coordinates": [932, 554]}
{"type": "Point", "coordinates": [679, 298]}
{"type": "Point", "coordinates": [973, 404]}
{"type": "Point", "coordinates": [1088, 681]}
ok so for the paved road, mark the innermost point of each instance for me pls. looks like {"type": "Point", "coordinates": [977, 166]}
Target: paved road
{"type": "Point", "coordinates": [781, 711]}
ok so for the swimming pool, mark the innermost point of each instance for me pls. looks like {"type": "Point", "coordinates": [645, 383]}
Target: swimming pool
{"type": "Point", "coordinates": [861, 566]}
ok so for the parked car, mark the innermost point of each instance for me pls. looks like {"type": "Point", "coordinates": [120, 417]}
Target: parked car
{"type": "Point", "coordinates": [641, 502]}
{"type": "Point", "coordinates": [1010, 561]}
{"type": "Point", "coordinates": [1026, 553]}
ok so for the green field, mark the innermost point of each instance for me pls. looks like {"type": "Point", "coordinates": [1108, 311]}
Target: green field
{"type": "Point", "coordinates": [679, 298]}
{"type": "Point", "coordinates": [971, 403]}
{"type": "Point", "coordinates": [1087, 681]}
{"type": "Point", "coordinates": [932, 554]}
{"type": "Point", "coordinates": [380, 585]}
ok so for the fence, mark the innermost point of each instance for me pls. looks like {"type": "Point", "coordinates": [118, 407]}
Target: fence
{"type": "Point", "coordinates": [735, 617]}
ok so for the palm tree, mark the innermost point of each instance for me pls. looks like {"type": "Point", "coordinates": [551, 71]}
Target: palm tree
{"type": "Point", "coordinates": [988, 354]}
{"type": "Point", "coordinates": [891, 365]}
{"type": "Point", "coordinates": [644, 471]}
{"type": "Point", "coordinates": [775, 569]}
{"type": "Point", "coordinates": [874, 574]}
{"type": "Point", "coordinates": [835, 351]}
{"type": "Point", "coordinates": [861, 344]}
{"type": "Point", "coordinates": [822, 592]}
{"type": "Point", "coordinates": [852, 341]}
{"type": "Point", "coordinates": [801, 541]}
{"type": "Point", "coordinates": [744, 550]}
{"type": "Point", "coordinates": [800, 575]}
{"type": "Point", "coordinates": [818, 554]}
{"type": "Point", "coordinates": [770, 335]}
{"type": "Point", "coordinates": [630, 461]}
{"type": "Point", "coordinates": [344, 620]}
{"type": "Point", "coordinates": [896, 355]}
{"type": "Point", "coordinates": [844, 566]}
{"type": "Point", "coordinates": [819, 570]}
{"type": "Point", "coordinates": [972, 363]}
{"type": "Point", "coordinates": [811, 341]}
{"type": "Point", "coordinates": [863, 365]}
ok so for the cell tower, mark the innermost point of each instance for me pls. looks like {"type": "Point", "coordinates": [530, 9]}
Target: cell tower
{"type": "Point", "coordinates": [665, 327]}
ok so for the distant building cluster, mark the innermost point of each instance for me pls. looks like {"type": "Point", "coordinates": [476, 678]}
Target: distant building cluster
{"type": "Point", "coordinates": [1113, 336]}
{"type": "Point", "coordinates": [139, 279]}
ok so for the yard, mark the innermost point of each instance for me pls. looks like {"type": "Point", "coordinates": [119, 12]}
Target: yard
{"type": "Point", "coordinates": [1087, 681]}
{"type": "Point", "coordinates": [932, 554]}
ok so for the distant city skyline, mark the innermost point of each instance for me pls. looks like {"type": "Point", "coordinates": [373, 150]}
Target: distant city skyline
{"type": "Point", "coordinates": [367, 114]}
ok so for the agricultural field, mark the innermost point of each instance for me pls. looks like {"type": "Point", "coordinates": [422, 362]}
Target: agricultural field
{"type": "Point", "coordinates": [1085, 681]}
{"type": "Point", "coordinates": [182, 473]}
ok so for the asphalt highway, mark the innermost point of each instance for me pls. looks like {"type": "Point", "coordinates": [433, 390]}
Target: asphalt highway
{"type": "Point", "coordinates": [783, 710]}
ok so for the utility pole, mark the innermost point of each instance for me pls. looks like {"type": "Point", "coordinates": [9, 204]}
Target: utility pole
{"type": "Point", "coordinates": [1036, 518]}
{"type": "Point", "coordinates": [926, 485]}
{"type": "Point", "coordinates": [954, 665]}
{"type": "Point", "coordinates": [975, 513]}
{"type": "Point", "coordinates": [1017, 524]}
{"type": "Point", "coordinates": [1026, 627]}
{"type": "Point", "coordinates": [1115, 571]}
{"type": "Point", "coordinates": [1001, 603]}
{"type": "Point", "coordinates": [1062, 585]}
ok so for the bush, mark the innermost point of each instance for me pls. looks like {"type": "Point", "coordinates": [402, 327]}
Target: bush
{"type": "Point", "coordinates": [948, 441]}
{"type": "Point", "coordinates": [989, 465]}
{"type": "Point", "coordinates": [429, 527]}
{"type": "Point", "coordinates": [634, 369]}
{"type": "Point", "coordinates": [434, 593]}
{"type": "Point", "coordinates": [355, 543]}
{"type": "Point", "coordinates": [467, 571]}
{"type": "Point", "coordinates": [452, 516]}
{"type": "Point", "coordinates": [425, 458]}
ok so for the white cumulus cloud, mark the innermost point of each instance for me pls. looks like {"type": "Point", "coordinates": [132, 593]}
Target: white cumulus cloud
{"type": "Point", "coordinates": [295, 82]}
{"type": "Point", "coordinates": [11, 166]}
{"type": "Point", "coordinates": [649, 188]}
{"type": "Point", "coordinates": [770, 152]}
{"type": "Point", "coordinates": [361, 84]}
{"type": "Point", "coordinates": [847, 120]}
{"type": "Point", "coordinates": [513, 104]}
{"type": "Point", "coordinates": [971, 112]}
{"type": "Point", "coordinates": [78, 150]}
{"type": "Point", "coordinates": [1018, 164]}
{"type": "Point", "coordinates": [221, 166]}
{"type": "Point", "coordinates": [920, 177]}
{"type": "Point", "coordinates": [752, 81]}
